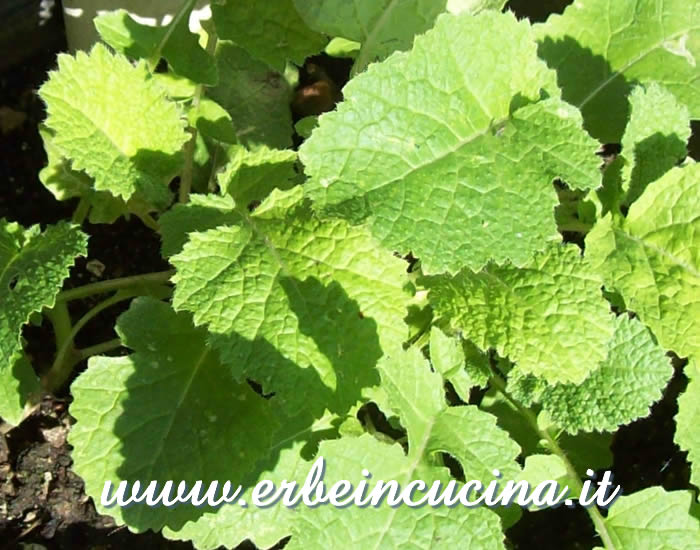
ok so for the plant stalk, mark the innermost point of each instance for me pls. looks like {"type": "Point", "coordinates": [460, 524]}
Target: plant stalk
{"type": "Point", "coordinates": [81, 211]}
{"type": "Point", "coordinates": [593, 512]}
{"type": "Point", "coordinates": [98, 349]}
{"type": "Point", "coordinates": [61, 322]}
{"type": "Point", "coordinates": [102, 287]}
{"type": "Point", "coordinates": [66, 356]}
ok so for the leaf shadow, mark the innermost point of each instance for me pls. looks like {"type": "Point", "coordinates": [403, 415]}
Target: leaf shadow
{"type": "Point", "coordinates": [580, 74]}
{"type": "Point", "coordinates": [653, 157]}
{"type": "Point", "coordinates": [206, 422]}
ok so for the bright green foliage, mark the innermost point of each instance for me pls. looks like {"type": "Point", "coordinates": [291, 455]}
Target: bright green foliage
{"type": "Point", "coordinates": [231, 525]}
{"type": "Point", "coordinates": [293, 302]}
{"type": "Point", "coordinates": [272, 32]}
{"type": "Point", "coordinates": [655, 138]}
{"type": "Point", "coordinates": [66, 183]}
{"type": "Point", "coordinates": [391, 528]}
{"type": "Point", "coordinates": [652, 258]}
{"type": "Point", "coordinates": [201, 213]}
{"type": "Point", "coordinates": [599, 48]}
{"type": "Point", "coordinates": [447, 356]}
{"type": "Point", "coordinates": [113, 123]}
{"type": "Point", "coordinates": [33, 265]}
{"type": "Point", "coordinates": [688, 419]}
{"type": "Point", "coordinates": [385, 26]}
{"type": "Point", "coordinates": [17, 383]}
{"type": "Point", "coordinates": [417, 396]}
{"type": "Point", "coordinates": [174, 42]}
{"type": "Point", "coordinates": [629, 380]}
{"type": "Point", "coordinates": [252, 175]}
{"type": "Point", "coordinates": [328, 304]}
{"type": "Point", "coordinates": [381, 27]}
{"type": "Point", "coordinates": [549, 317]}
{"type": "Point", "coordinates": [168, 411]}
{"type": "Point", "coordinates": [452, 156]}
{"type": "Point", "coordinates": [653, 518]}
{"type": "Point", "coordinates": [256, 97]}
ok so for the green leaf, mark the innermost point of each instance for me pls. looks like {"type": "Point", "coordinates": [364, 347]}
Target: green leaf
{"type": "Point", "coordinates": [588, 450]}
{"type": "Point", "coordinates": [385, 527]}
{"type": "Point", "coordinates": [629, 380]}
{"type": "Point", "coordinates": [174, 42]}
{"type": "Point", "coordinates": [443, 152]}
{"type": "Point", "coordinates": [381, 27]}
{"type": "Point", "coordinates": [653, 518]}
{"type": "Point", "coordinates": [272, 32]}
{"type": "Point", "coordinates": [213, 121]}
{"type": "Point", "coordinates": [256, 97]}
{"type": "Point", "coordinates": [65, 183]}
{"type": "Point", "coordinates": [306, 126]}
{"type": "Point", "coordinates": [447, 356]}
{"type": "Point", "coordinates": [33, 266]}
{"type": "Point", "coordinates": [322, 295]}
{"type": "Point", "coordinates": [111, 121]}
{"type": "Point", "coordinates": [655, 138]}
{"type": "Point", "coordinates": [17, 383]}
{"type": "Point", "coordinates": [385, 26]}
{"type": "Point", "coordinates": [202, 212]}
{"type": "Point", "coordinates": [549, 317]}
{"type": "Point", "coordinates": [168, 411]}
{"type": "Point", "coordinates": [232, 525]}
{"type": "Point", "coordinates": [474, 6]}
{"type": "Point", "coordinates": [687, 420]}
{"type": "Point", "coordinates": [511, 420]}
{"type": "Point", "coordinates": [599, 48]}
{"type": "Point", "coordinates": [652, 258]}
{"type": "Point", "coordinates": [251, 175]}
{"type": "Point", "coordinates": [465, 432]}
{"type": "Point", "coordinates": [541, 468]}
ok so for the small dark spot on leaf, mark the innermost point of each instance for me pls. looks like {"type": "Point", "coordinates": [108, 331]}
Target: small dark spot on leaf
{"type": "Point", "coordinates": [13, 282]}
{"type": "Point", "coordinates": [360, 315]}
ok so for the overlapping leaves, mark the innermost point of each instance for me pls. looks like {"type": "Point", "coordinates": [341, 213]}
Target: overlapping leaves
{"type": "Point", "coordinates": [452, 157]}
{"type": "Point", "coordinates": [322, 295]}
{"type": "Point", "coordinates": [113, 122]}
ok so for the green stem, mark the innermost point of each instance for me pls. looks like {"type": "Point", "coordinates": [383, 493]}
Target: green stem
{"type": "Point", "coordinates": [149, 222]}
{"type": "Point", "coordinates": [66, 356]}
{"type": "Point", "coordinates": [81, 211]}
{"type": "Point", "coordinates": [60, 319]}
{"type": "Point", "coordinates": [98, 349]}
{"type": "Point", "coordinates": [593, 512]}
{"type": "Point", "coordinates": [102, 287]}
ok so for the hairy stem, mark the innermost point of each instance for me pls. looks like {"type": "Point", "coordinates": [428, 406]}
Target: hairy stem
{"type": "Point", "coordinates": [66, 355]}
{"type": "Point", "coordinates": [593, 512]}
{"type": "Point", "coordinates": [102, 287]}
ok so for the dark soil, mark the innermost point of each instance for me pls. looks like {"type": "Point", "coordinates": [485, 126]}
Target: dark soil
{"type": "Point", "coordinates": [43, 502]}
